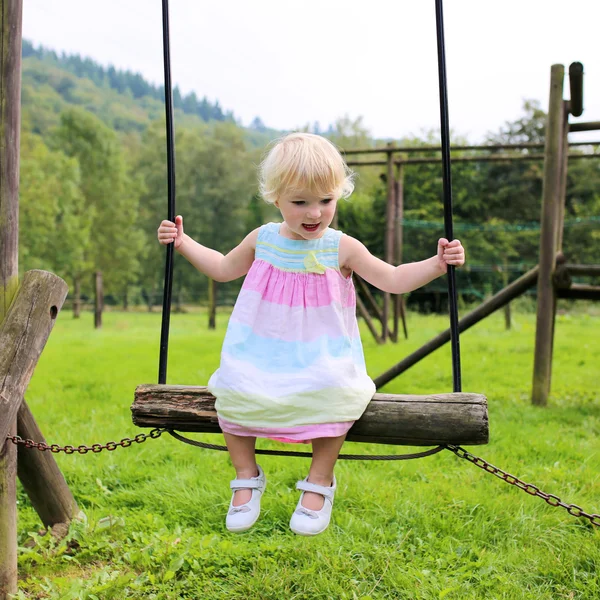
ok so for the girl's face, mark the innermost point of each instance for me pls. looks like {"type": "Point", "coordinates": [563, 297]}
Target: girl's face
{"type": "Point", "coordinates": [307, 216]}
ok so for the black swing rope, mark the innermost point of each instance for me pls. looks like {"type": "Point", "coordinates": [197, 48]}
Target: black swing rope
{"type": "Point", "coordinates": [168, 285]}
{"type": "Point", "coordinates": [531, 489]}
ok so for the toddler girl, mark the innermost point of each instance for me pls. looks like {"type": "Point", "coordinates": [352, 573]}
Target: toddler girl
{"type": "Point", "coordinates": [292, 366]}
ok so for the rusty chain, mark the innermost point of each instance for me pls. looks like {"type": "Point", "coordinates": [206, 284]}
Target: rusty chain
{"type": "Point", "coordinates": [82, 449]}
{"type": "Point", "coordinates": [529, 488]}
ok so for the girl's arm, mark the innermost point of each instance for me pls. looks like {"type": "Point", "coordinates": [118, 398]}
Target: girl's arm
{"type": "Point", "coordinates": [210, 262]}
{"type": "Point", "coordinates": [404, 278]}
{"type": "Point", "coordinates": [216, 265]}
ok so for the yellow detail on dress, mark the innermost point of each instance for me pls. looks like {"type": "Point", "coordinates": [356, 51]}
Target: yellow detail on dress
{"type": "Point", "coordinates": [312, 264]}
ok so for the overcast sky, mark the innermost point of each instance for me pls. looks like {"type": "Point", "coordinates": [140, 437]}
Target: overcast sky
{"type": "Point", "coordinates": [293, 63]}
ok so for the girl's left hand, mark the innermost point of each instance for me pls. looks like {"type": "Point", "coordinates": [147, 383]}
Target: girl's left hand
{"type": "Point", "coordinates": [450, 253]}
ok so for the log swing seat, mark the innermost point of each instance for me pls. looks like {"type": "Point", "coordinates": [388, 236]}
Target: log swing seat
{"type": "Point", "coordinates": [441, 420]}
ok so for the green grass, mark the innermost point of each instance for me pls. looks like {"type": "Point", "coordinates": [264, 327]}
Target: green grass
{"type": "Point", "coordinates": [429, 529]}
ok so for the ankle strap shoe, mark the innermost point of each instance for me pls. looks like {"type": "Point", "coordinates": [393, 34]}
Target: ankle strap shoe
{"type": "Point", "coordinates": [305, 521]}
{"type": "Point", "coordinates": [241, 518]}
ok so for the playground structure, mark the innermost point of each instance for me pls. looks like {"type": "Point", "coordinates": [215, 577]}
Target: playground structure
{"type": "Point", "coordinates": [28, 313]}
{"type": "Point", "coordinates": [367, 305]}
{"type": "Point", "coordinates": [553, 275]}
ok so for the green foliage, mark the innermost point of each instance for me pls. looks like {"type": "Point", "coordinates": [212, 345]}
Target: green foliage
{"type": "Point", "coordinates": [94, 187]}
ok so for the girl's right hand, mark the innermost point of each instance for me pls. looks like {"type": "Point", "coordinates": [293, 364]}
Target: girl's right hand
{"type": "Point", "coordinates": [171, 232]}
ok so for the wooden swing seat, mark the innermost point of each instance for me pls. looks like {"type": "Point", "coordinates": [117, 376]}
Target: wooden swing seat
{"type": "Point", "coordinates": [457, 418]}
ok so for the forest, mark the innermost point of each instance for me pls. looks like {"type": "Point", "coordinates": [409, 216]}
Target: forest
{"type": "Point", "coordinates": [93, 187]}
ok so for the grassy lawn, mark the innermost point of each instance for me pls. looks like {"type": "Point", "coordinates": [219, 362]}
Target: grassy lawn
{"type": "Point", "coordinates": [429, 529]}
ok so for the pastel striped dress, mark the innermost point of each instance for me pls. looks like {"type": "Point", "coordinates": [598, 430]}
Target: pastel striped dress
{"type": "Point", "coordinates": [292, 364]}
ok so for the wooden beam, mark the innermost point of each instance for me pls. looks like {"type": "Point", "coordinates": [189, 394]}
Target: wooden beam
{"type": "Point", "coordinates": [364, 313]}
{"type": "Point", "coordinates": [546, 297]}
{"type": "Point", "coordinates": [366, 292]}
{"type": "Point", "coordinates": [459, 418]}
{"type": "Point", "coordinates": [590, 126]}
{"type": "Point", "coordinates": [515, 289]}
{"type": "Point", "coordinates": [23, 335]}
{"type": "Point", "coordinates": [579, 291]}
{"type": "Point", "coordinates": [486, 158]}
{"type": "Point", "coordinates": [430, 148]}
{"type": "Point", "coordinates": [40, 476]}
{"type": "Point", "coordinates": [592, 270]}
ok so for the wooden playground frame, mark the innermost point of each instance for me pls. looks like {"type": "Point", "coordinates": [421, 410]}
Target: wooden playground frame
{"type": "Point", "coordinates": [553, 275]}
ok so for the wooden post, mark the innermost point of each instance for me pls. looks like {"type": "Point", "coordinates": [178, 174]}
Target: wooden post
{"type": "Point", "coordinates": [212, 303]}
{"type": "Point", "coordinates": [10, 127]}
{"type": "Point", "coordinates": [76, 297]}
{"type": "Point", "coordinates": [564, 164]}
{"type": "Point", "coordinates": [546, 295]}
{"type": "Point", "coordinates": [389, 237]}
{"type": "Point", "coordinates": [399, 304]}
{"type": "Point", "coordinates": [23, 334]}
{"type": "Point", "coordinates": [99, 300]}
{"type": "Point", "coordinates": [507, 314]}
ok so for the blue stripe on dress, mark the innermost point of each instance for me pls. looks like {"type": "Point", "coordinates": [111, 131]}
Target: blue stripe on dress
{"type": "Point", "coordinates": [279, 356]}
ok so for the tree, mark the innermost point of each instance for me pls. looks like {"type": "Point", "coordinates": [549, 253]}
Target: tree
{"type": "Point", "coordinates": [54, 224]}
{"type": "Point", "coordinates": [111, 199]}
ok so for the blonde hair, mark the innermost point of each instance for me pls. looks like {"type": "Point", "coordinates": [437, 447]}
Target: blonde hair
{"type": "Point", "coordinates": [304, 162]}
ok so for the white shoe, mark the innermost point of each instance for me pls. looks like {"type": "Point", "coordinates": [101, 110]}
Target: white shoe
{"type": "Point", "coordinates": [312, 522]}
{"type": "Point", "coordinates": [241, 518]}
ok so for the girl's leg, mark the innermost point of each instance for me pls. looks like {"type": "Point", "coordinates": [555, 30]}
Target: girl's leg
{"type": "Point", "coordinates": [243, 458]}
{"type": "Point", "coordinates": [325, 454]}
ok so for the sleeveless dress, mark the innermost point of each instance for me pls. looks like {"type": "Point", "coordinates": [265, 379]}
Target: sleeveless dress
{"type": "Point", "coordinates": [292, 364]}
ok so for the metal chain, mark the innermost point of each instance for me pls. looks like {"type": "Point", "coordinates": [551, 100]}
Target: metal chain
{"type": "Point", "coordinates": [422, 454]}
{"type": "Point", "coordinates": [82, 449]}
{"type": "Point", "coordinates": [531, 489]}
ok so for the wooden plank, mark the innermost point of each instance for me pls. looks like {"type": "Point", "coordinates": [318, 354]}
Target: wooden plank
{"type": "Point", "coordinates": [546, 297]}
{"type": "Point", "coordinates": [459, 418]}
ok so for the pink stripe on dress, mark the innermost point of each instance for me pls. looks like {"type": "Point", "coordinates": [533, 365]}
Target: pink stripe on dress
{"type": "Point", "coordinates": [301, 434]}
{"type": "Point", "coordinates": [293, 324]}
{"type": "Point", "coordinates": [299, 289]}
